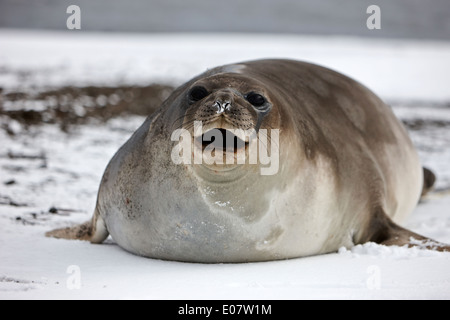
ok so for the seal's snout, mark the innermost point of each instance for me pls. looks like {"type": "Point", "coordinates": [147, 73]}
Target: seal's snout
{"type": "Point", "coordinates": [223, 101]}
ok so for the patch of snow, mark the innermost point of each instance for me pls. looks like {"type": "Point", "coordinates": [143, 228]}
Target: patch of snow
{"type": "Point", "coordinates": [222, 204]}
{"type": "Point", "coordinates": [378, 251]}
{"type": "Point", "coordinates": [31, 59]}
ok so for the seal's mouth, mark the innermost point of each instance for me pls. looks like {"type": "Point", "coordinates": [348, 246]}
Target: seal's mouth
{"type": "Point", "coordinates": [221, 140]}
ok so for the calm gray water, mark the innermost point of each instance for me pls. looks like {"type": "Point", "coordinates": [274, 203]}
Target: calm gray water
{"type": "Point", "coordinates": [420, 19]}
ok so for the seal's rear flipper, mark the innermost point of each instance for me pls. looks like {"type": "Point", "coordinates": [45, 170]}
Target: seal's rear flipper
{"type": "Point", "coordinates": [400, 237]}
{"type": "Point", "coordinates": [384, 231]}
{"type": "Point", "coordinates": [429, 179]}
{"type": "Point", "coordinates": [94, 231]}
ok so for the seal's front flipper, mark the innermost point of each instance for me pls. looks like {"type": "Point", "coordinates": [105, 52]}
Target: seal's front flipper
{"type": "Point", "coordinates": [384, 231]}
{"type": "Point", "coordinates": [94, 231]}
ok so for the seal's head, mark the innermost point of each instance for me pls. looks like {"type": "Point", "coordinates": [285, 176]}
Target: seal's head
{"type": "Point", "coordinates": [226, 114]}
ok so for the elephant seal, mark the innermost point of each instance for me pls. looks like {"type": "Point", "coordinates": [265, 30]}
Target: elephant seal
{"type": "Point", "coordinates": [344, 170]}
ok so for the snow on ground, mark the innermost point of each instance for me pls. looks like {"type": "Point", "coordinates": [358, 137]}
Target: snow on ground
{"type": "Point", "coordinates": [43, 168]}
{"type": "Point", "coordinates": [401, 69]}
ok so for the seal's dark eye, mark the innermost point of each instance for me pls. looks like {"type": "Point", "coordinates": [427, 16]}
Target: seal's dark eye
{"type": "Point", "coordinates": [255, 99]}
{"type": "Point", "coordinates": [198, 93]}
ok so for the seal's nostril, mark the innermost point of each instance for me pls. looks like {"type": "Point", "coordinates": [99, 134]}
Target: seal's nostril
{"type": "Point", "coordinates": [222, 106]}
{"type": "Point", "coordinates": [218, 105]}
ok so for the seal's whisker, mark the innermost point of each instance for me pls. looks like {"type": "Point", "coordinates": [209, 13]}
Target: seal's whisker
{"type": "Point", "coordinates": [268, 141]}
{"type": "Point", "coordinates": [187, 114]}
